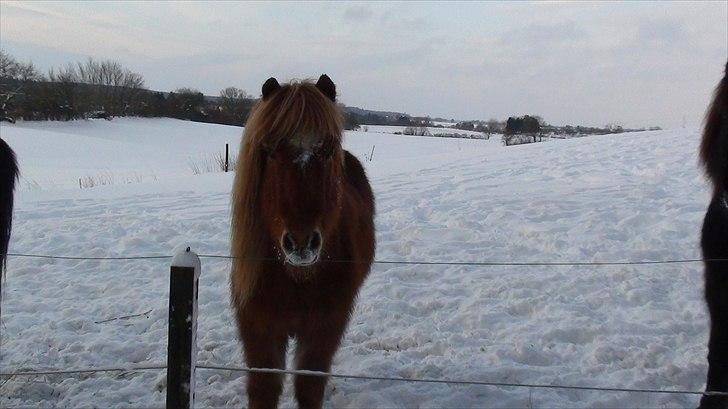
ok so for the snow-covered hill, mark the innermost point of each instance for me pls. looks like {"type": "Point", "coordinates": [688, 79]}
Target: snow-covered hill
{"type": "Point", "coordinates": [614, 197]}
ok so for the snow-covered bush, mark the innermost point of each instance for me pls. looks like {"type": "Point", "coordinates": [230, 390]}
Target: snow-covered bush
{"type": "Point", "coordinates": [416, 131]}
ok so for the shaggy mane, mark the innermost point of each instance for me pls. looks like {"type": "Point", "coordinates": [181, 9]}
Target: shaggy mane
{"type": "Point", "coordinates": [714, 147]}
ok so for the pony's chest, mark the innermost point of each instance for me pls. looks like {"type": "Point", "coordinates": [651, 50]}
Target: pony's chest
{"type": "Point", "coordinates": [298, 295]}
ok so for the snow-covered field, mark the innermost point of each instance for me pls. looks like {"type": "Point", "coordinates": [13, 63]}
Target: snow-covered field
{"type": "Point", "coordinates": [615, 197]}
{"type": "Point", "coordinates": [391, 129]}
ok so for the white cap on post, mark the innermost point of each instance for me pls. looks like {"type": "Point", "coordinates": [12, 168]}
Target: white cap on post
{"type": "Point", "coordinates": [187, 258]}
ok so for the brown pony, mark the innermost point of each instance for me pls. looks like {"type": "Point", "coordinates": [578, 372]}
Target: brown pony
{"type": "Point", "coordinates": [714, 242]}
{"type": "Point", "coordinates": [302, 237]}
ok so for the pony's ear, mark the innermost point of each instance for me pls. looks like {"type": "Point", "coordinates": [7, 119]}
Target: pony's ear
{"type": "Point", "coordinates": [327, 87]}
{"type": "Point", "coordinates": [270, 87]}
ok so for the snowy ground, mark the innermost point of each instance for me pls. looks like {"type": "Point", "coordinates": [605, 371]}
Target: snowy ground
{"type": "Point", "coordinates": [615, 197]}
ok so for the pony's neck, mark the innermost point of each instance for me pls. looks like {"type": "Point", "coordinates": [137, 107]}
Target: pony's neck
{"type": "Point", "coordinates": [720, 187]}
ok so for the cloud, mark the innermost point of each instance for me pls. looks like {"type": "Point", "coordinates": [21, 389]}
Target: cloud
{"type": "Point", "coordinates": [87, 33]}
{"type": "Point", "coordinates": [358, 12]}
{"type": "Point", "coordinates": [544, 34]}
{"type": "Point", "coordinates": [576, 62]}
{"type": "Point", "coordinates": [661, 33]}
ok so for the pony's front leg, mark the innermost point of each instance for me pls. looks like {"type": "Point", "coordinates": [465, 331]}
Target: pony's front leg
{"type": "Point", "coordinates": [717, 364]}
{"type": "Point", "coordinates": [264, 350]}
{"type": "Point", "coordinates": [716, 284]}
{"type": "Point", "coordinates": [314, 352]}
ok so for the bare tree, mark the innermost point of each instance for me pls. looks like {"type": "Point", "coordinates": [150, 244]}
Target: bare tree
{"type": "Point", "coordinates": [494, 126]}
{"type": "Point", "coordinates": [235, 104]}
{"type": "Point", "coordinates": [234, 94]}
{"type": "Point", "coordinates": [114, 89]}
{"type": "Point", "coordinates": [8, 65]}
{"type": "Point", "coordinates": [64, 94]}
{"type": "Point", "coordinates": [28, 72]}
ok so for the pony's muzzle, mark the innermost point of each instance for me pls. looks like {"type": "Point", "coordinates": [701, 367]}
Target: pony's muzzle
{"type": "Point", "coordinates": [303, 250]}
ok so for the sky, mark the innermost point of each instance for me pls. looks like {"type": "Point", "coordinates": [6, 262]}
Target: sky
{"type": "Point", "coordinates": [631, 63]}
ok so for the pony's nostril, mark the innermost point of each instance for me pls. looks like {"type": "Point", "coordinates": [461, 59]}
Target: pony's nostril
{"type": "Point", "coordinates": [287, 242]}
{"type": "Point", "coordinates": [314, 240]}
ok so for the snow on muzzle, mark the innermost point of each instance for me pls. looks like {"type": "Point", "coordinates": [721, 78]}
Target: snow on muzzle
{"type": "Point", "coordinates": [301, 249]}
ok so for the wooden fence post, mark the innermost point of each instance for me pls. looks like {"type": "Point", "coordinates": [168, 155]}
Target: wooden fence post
{"type": "Point", "coordinates": [227, 164]}
{"type": "Point", "coordinates": [182, 335]}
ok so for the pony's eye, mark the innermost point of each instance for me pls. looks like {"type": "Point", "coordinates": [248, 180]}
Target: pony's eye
{"type": "Point", "coordinates": [269, 153]}
{"type": "Point", "coordinates": [327, 152]}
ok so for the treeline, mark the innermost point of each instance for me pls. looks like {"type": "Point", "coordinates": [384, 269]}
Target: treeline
{"type": "Point", "coordinates": [532, 128]}
{"type": "Point", "coordinates": [353, 120]}
{"type": "Point", "coordinates": [231, 107]}
{"type": "Point", "coordinates": [490, 126]}
{"type": "Point", "coordinates": [571, 131]}
{"type": "Point", "coordinates": [105, 89]}
{"type": "Point", "coordinates": [535, 124]}
{"type": "Point", "coordinates": [72, 92]}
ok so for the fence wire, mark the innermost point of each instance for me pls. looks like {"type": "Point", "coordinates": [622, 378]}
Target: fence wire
{"type": "Point", "coordinates": [131, 368]}
{"type": "Point", "coordinates": [54, 257]}
{"type": "Point", "coordinates": [462, 382]}
{"type": "Point", "coordinates": [453, 381]}
{"type": "Point", "coordinates": [374, 377]}
{"type": "Point", "coordinates": [399, 262]}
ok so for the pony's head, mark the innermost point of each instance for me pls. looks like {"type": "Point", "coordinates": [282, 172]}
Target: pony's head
{"type": "Point", "coordinates": [293, 139]}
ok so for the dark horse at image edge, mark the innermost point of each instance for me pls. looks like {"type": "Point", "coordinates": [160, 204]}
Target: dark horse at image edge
{"type": "Point", "coordinates": [301, 205]}
{"type": "Point", "coordinates": [714, 242]}
{"type": "Point", "coordinates": [8, 176]}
